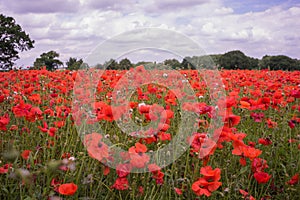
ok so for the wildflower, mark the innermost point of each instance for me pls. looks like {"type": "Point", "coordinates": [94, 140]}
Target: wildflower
{"type": "Point", "coordinates": [257, 117]}
{"type": "Point", "coordinates": [243, 161]}
{"type": "Point", "coordinates": [138, 158]}
{"type": "Point", "coordinates": [55, 184]}
{"type": "Point", "coordinates": [4, 121]}
{"type": "Point", "coordinates": [25, 154]}
{"type": "Point", "coordinates": [96, 149]}
{"type": "Point", "coordinates": [294, 180]}
{"type": "Point", "coordinates": [264, 141]}
{"type": "Point", "coordinates": [208, 183]}
{"type": "Point", "coordinates": [270, 123]}
{"type": "Point", "coordinates": [106, 170]}
{"type": "Point", "coordinates": [262, 177]}
{"type": "Point", "coordinates": [156, 173]}
{"type": "Point", "coordinates": [246, 195]}
{"type": "Point", "coordinates": [123, 170]}
{"type": "Point", "coordinates": [67, 189]}
{"type": "Point", "coordinates": [121, 183]}
{"type": "Point", "coordinates": [258, 165]}
{"type": "Point", "coordinates": [245, 104]}
{"type": "Point", "coordinates": [232, 120]}
{"type": "Point", "coordinates": [178, 191]}
{"type": "Point", "coordinates": [4, 169]}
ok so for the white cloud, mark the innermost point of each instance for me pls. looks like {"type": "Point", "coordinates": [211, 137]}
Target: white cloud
{"type": "Point", "coordinates": [41, 6]}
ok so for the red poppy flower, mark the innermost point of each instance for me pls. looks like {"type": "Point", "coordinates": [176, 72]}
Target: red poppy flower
{"type": "Point", "coordinates": [106, 171]}
{"type": "Point", "coordinates": [257, 117]}
{"type": "Point", "coordinates": [232, 120]}
{"type": "Point", "coordinates": [211, 174]}
{"type": "Point", "coordinates": [52, 131]}
{"type": "Point", "coordinates": [4, 121]}
{"type": "Point", "coordinates": [138, 158]}
{"type": "Point", "coordinates": [246, 195]}
{"type": "Point", "coordinates": [164, 136]}
{"type": "Point", "coordinates": [291, 124]}
{"type": "Point", "coordinates": [143, 108]}
{"type": "Point", "coordinates": [123, 170]}
{"type": "Point", "coordinates": [121, 183]}
{"type": "Point", "coordinates": [243, 161]}
{"type": "Point", "coordinates": [245, 104]}
{"type": "Point", "coordinates": [203, 187]}
{"type": "Point", "coordinates": [259, 165]}
{"type": "Point", "coordinates": [141, 190]}
{"type": "Point", "coordinates": [153, 167]}
{"type": "Point", "coordinates": [25, 154]}
{"type": "Point", "coordinates": [294, 180]}
{"type": "Point", "coordinates": [34, 114]}
{"type": "Point", "coordinates": [55, 184]}
{"type": "Point", "coordinates": [251, 152]}
{"type": "Point", "coordinates": [96, 149]}
{"type": "Point", "coordinates": [4, 168]}
{"type": "Point", "coordinates": [44, 128]}
{"type": "Point", "coordinates": [270, 123]}
{"type": "Point", "coordinates": [208, 183]}
{"type": "Point", "coordinates": [67, 189]}
{"type": "Point", "coordinates": [199, 189]}
{"type": "Point", "coordinates": [262, 177]}
{"type": "Point", "coordinates": [178, 191]}
{"type": "Point", "coordinates": [21, 109]}
{"type": "Point", "coordinates": [295, 93]}
{"type": "Point", "coordinates": [264, 141]}
{"type": "Point", "coordinates": [156, 173]}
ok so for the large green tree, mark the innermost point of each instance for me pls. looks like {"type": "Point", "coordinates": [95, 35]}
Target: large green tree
{"type": "Point", "coordinates": [49, 60]}
{"type": "Point", "coordinates": [173, 63]}
{"type": "Point", "coordinates": [279, 62]}
{"type": "Point", "coordinates": [12, 40]}
{"type": "Point", "coordinates": [234, 60]}
{"type": "Point", "coordinates": [112, 64]}
{"type": "Point", "coordinates": [125, 64]}
{"type": "Point", "coordinates": [187, 63]}
{"type": "Point", "coordinates": [74, 63]}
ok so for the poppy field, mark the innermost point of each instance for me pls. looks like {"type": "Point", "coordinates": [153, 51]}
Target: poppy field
{"type": "Point", "coordinates": [58, 143]}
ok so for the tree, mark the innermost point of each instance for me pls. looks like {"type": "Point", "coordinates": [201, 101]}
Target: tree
{"type": "Point", "coordinates": [253, 63]}
{"type": "Point", "coordinates": [74, 63]}
{"type": "Point", "coordinates": [173, 63]}
{"type": "Point", "coordinates": [111, 64]}
{"type": "Point", "coordinates": [48, 60]}
{"type": "Point", "coordinates": [264, 62]}
{"type": "Point", "coordinates": [234, 60]}
{"type": "Point", "coordinates": [187, 63]}
{"type": "Point", "coordinates": [125, 64]}
{"type": "Point", "coordinates": [13, 39]}
{"type": "Point", "coordinates": [279, 62]}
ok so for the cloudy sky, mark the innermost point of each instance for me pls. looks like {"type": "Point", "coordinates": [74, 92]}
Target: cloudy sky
{"type": "Point", "coordinates": [74, 28]}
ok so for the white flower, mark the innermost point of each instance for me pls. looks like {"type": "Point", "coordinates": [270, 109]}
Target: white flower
{"type": "Point", "coordinates": [72, 158]}
{"type": "Point", "coordinates": [141, 104]}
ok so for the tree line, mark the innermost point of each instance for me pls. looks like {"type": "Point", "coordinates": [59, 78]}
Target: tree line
{"type": "Point", "coordinates": [238, 60]}
{"type": "Point", "coordinates": [14, 40]}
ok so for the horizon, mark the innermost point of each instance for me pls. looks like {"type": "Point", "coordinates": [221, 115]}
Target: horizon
{"type": "Point", "coordinates": [73, 29]}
